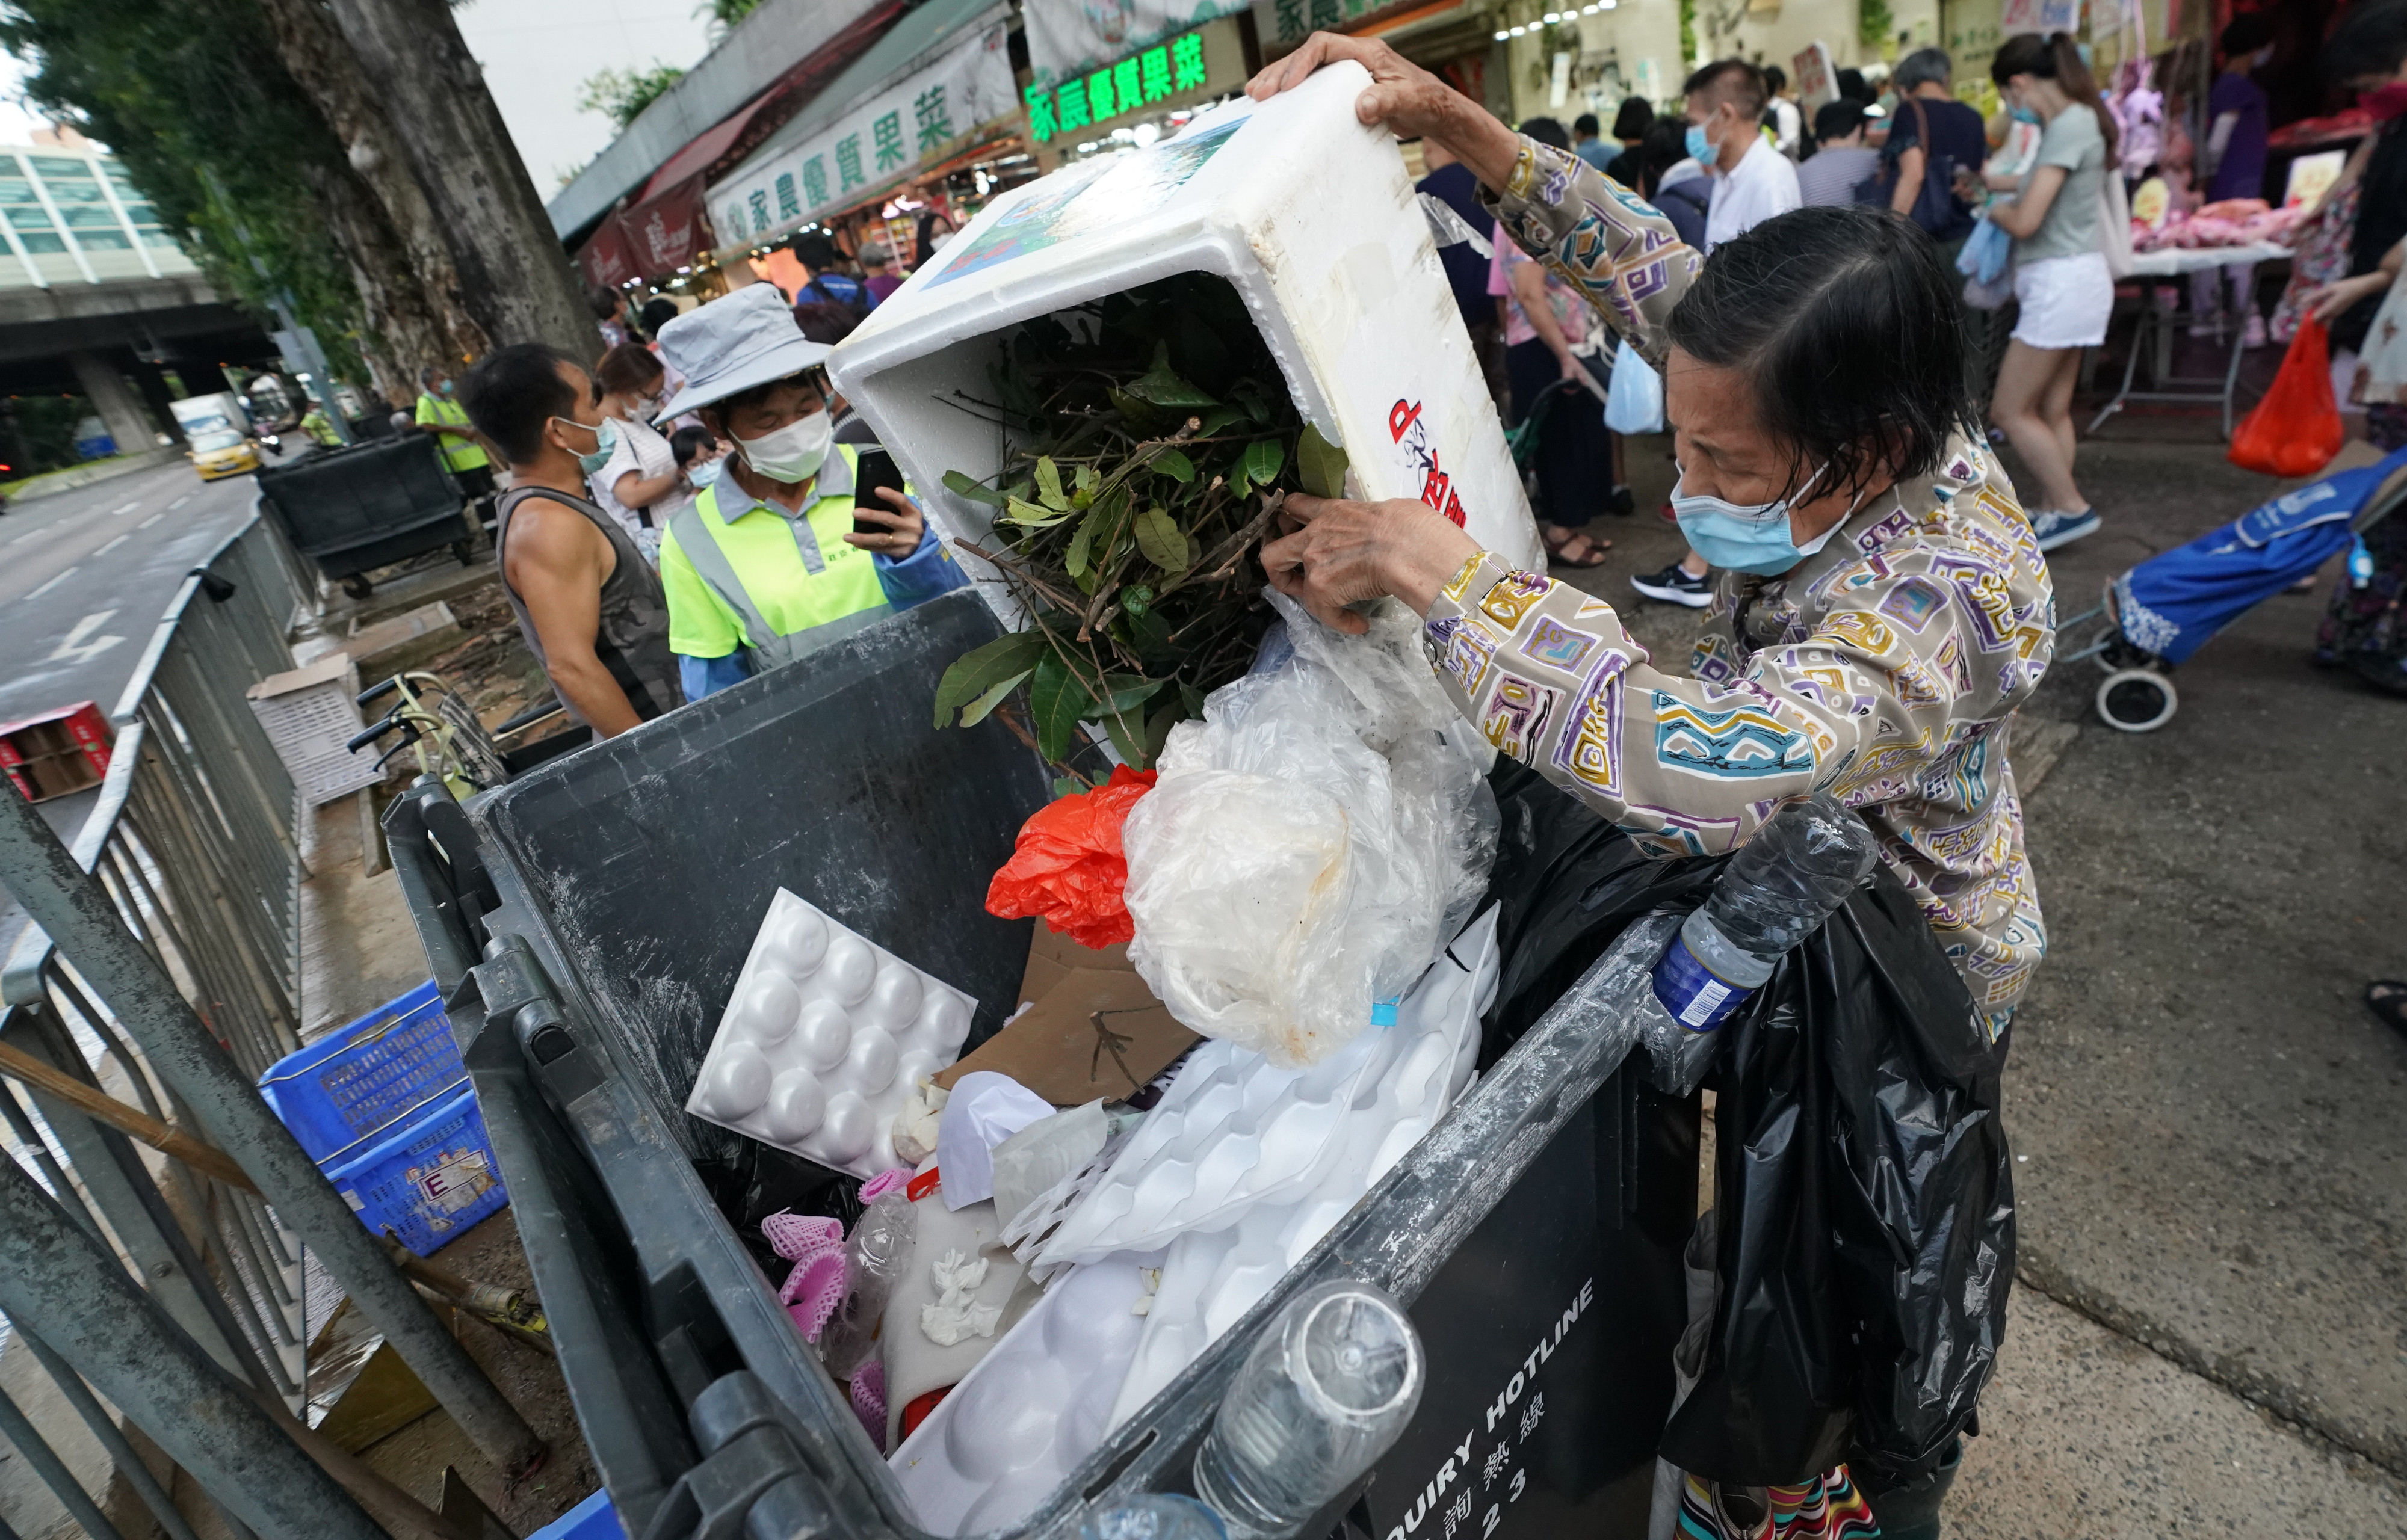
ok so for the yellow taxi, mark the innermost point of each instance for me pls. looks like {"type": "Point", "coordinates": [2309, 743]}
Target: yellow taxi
{"type": "Point", "coordinates": [224, 453]}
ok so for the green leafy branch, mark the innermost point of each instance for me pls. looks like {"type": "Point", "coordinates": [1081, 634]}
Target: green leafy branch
{"type": "Point", "coordinates": [1149, 444]}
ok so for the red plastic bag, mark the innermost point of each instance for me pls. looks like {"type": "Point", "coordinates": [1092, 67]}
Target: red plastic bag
{"type": "Point", "coordinates": [2296, 430]}
{"type": "Point", "coordinates": [1067, 868]}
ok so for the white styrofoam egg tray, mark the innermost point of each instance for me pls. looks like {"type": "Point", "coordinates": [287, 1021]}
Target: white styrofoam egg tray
{"type": "Point", "coordinates": [1211, 1279]}
{"type": "Point", "coordinates": [1036, 1406]}
{"type": "Point", "coordinates": [1234, 1132]}
{"type": "Point", "coordinates": [824, 1035]}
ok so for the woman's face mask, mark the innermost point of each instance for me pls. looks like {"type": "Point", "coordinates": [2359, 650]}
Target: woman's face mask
{"type": "Point", "coordinates": [793, 453]}
{"type": "Point", "coordinates": [1756, 538]}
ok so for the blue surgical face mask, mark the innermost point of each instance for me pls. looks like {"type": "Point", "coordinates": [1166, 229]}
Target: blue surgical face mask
{"type": "Point", "coordinates": [1701, 149]}
{"type": "Point", "coordinates": [1745, 539]}
{"type": "Point", "coordinates": [2023, 115]}
{"type": "Point", "coordinates": [606, 444]}
{"type": "Point", "coordinates": [702, 473]}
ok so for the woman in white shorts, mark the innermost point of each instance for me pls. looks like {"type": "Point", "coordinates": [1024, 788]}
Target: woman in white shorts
{"type": "Point", "coordinates": [2060, 276]}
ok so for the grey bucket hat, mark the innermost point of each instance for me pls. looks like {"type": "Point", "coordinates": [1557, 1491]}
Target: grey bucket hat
{"type": "Point", "coordinates": [733, 344]}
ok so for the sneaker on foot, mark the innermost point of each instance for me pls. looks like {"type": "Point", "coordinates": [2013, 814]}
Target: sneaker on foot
{"type": "Point", "coordinates": [2058, 528]}
{"type": "Point", "coordinates": [2253, 334]}
{"type": "Point", "coordinates": [1674, 585]}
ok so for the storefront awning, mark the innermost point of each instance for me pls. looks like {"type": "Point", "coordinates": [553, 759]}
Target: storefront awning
{"type": "Point", "coordinates": [938, 82]}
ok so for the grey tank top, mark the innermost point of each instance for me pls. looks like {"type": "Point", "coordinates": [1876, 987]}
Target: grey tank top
{"type": "Point", "coordinates": [633, 638]}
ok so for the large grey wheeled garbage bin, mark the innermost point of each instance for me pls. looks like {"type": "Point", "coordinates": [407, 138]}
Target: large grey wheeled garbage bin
{"type": "Point", "coordinates": [586, 922]}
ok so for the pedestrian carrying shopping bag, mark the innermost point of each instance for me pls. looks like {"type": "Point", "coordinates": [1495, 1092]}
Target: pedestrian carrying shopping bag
{"type": "Point", "coordinates": [1986, 261]}
{"type": "Point", "coordinates": [2296, 430]}
{"type": "Point", "coordinates": [1863, 1185]}
{"type": "Point", "coordinates": [1635, 402]}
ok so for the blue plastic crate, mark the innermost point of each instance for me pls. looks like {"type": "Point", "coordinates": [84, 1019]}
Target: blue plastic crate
{"type": "Point", "coordinates": [428, 1181]}
{"type": "Point", "coordinates": [353, 1084]}
{"type": "Point", "coordinates": [592, 1520]}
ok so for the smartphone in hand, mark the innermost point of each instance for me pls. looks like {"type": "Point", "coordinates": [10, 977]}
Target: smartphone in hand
{"type": "Point", "coordinates": [878, 469]}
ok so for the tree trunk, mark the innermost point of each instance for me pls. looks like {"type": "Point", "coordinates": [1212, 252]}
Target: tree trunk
{"type": "Point", "coordinates": [408, 331]}
{"type": "Point", "coordinates": [515, 278]}
{"type": "Point", "coordinates": [405, 271]}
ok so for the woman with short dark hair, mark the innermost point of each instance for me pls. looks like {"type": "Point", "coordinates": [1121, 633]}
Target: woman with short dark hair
{"type": "Point", "coordinates": [1883, 607]}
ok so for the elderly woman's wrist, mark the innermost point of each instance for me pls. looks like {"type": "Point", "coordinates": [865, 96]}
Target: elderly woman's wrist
{"type": "Point", "coordinates": [1421, 558]}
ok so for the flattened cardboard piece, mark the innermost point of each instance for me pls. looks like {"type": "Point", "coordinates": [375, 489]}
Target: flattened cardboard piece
{"type": "Point", "coordinates": [1055, 1049]}
{"type": "Point", "coordinates": [1051, 956]}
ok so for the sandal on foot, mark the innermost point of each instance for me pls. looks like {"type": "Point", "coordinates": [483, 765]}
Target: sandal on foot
{"type": "Point", "coordinates": [2387, 1000]}
{"type": "Point", "coordinates": [1558, 551]}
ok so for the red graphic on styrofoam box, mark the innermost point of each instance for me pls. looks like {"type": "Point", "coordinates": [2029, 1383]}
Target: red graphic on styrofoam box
{"type": "Point", "coordinates": [1410, 428]}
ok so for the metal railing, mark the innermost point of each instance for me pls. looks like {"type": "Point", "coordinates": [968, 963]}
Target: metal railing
{"type": "Point", "coordinates": [160, 978]}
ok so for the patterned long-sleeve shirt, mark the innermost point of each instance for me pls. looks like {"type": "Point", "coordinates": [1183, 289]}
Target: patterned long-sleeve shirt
{"type": "Point", "coordinates": [1885, 667]}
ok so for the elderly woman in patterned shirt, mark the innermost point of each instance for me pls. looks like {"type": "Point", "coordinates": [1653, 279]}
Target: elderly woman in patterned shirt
{"type": "Point", "coordinates": [1882, 609]}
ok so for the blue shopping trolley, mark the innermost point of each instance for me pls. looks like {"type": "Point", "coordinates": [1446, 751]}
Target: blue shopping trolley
{"type": "Point", "coordinates": [2151, 619]}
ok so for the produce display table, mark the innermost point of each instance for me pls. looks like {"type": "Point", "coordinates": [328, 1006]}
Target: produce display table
{"type": "Point", "coordinates": [2156, 269]}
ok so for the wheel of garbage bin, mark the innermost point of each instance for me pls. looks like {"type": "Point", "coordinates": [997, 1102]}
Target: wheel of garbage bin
{"type": "Point", "coordinates": [2136, 700]}
{"type": "Point", "coordinates": [466, 551]}
{"type": "Point", "coordinates": [358, 587]}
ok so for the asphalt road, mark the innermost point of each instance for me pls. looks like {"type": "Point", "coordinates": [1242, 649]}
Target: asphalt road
{"type": "Point", "coordinates": [84, 577]}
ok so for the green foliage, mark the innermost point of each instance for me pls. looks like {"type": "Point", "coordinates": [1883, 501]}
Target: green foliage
{"type": "Point", "coordinates": [724, 14]}
{"type": "Point", "coordinates": [1688, 57]}
{"type": "Point", "coordinates": [621, 94]}
{"type": "Point", "coordinates": [193, 100]}
{"type": "Point", "coordinates": [47, 425]}
{"type": "Point", "coordinates": [1874, 24]}
{"type": "Point", "coordinates": [1151, 441]}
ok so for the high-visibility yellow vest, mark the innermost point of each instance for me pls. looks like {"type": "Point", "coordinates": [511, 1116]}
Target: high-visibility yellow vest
{"type": "Point", "coordinates": [777, 583]}
{"type": "Point", "coordinates": [458, 452]}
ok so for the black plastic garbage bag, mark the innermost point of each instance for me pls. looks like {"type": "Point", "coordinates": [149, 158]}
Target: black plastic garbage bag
{"type": "Point", "coordinates": [1863, 1176]}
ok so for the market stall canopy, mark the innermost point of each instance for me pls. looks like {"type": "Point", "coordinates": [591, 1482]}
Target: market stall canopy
{"type": "Point", "coordinates": [780, 40]}
{"type": "Point", "coordinates": [938, 83]}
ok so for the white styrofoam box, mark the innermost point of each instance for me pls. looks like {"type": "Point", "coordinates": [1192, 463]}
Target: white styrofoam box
{"type": "Point", "coordinates": [1307, 212]}
{"type": "Point", "coordinates": [1211, 1279]}
{"type": "Point", "coordinates": [1032, 1409]}
{"type": "Point", "coordinates": [824, 1034]}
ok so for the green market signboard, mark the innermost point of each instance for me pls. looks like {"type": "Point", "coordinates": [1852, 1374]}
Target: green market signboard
{"type": "Point", "coordinates": [877, 143]}
{"type": "Point", "coordinates": [1164, 70]}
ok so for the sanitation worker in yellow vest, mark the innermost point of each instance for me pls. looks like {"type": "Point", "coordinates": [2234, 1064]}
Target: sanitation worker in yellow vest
{"type": "Point", "coordinates": [768, 562]}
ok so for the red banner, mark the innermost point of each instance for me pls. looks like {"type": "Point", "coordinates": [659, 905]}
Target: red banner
{"type": "Point", "coordinates": [653, 239]}
{"type": "Point", "coordinates": [605, 259]}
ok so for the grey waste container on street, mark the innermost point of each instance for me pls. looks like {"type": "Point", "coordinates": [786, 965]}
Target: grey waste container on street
{"type": "Point", "coordinates": [585, 922]}
{"type": "Point", "coordinates": [367, 505]}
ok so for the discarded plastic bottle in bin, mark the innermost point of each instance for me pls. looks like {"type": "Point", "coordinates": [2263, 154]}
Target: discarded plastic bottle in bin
{"type": "Point", "coordinates": [874, 1255]}
{"type": "Point", "coordinates": [1154, 1516]}
{"type": "Point", "coordinates": [1327, 1390]}
{"type": "Point", "coordinates": [1776, 891]}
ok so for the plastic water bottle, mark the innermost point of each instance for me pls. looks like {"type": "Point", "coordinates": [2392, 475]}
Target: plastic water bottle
{"type": "Point", "coordinates": [1155, 1515]}
{"type": "Point", "coordinates": [874, 1255]}
{"type": "Point", "coordinates": [1327, 1390]}
{"type": "Point", "coordinates": [1775, 892]}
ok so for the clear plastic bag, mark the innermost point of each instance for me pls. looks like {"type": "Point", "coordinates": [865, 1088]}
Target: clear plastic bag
{"type": "Point", "coordinates": [1634, 403]}
{"type": "Point", "coordinates": [1311, 843]}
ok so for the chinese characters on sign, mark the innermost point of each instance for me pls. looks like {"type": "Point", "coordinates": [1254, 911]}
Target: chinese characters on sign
{"type": "Point", "coordinates": [1293, 20]}
{"type": "Point", "coordinates": [1133, 83]}
{"type": "Point", "coordinates": [920, 120]}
